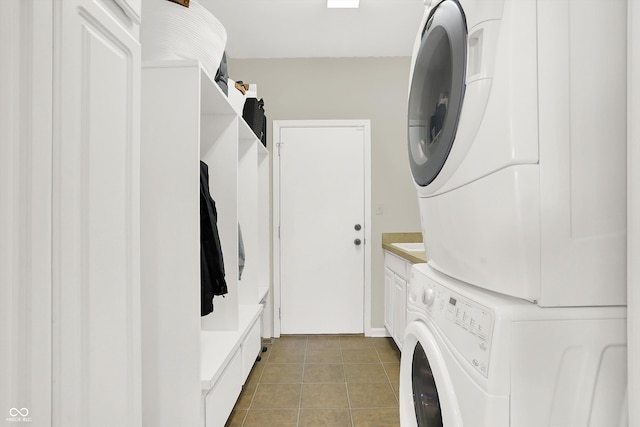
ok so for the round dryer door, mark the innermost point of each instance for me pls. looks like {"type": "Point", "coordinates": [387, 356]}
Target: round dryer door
{"type": "Point", "coordinates": [437, 89]}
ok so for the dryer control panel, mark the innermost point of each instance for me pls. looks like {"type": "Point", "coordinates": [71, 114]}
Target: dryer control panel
{"type": "Point", "coordinates": [465, 323]}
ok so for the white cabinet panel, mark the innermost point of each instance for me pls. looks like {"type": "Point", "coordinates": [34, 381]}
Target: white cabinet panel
{"type": "Point", "coordinates": [170, 250]}
{"type": "Point", "coordinates": [220, 400]}
{"type": "Point", "coordinates": [25, 210]}
{"type": "Point", "coordinates": [96, 275]}
{"type": "Point", "coordinates": [388, 300]}
{"type": "Point", "coordinates": [251, 348]}
{"type": "Point", "coordinates": [133, 9]}
{"type": "Point", "coordinates": [399, 309]}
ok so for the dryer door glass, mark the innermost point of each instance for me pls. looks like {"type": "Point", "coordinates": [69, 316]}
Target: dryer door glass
{"type": "Point", "coordinates": [425, 394]}
{"type": "Point", "coordinates": [437, 89]}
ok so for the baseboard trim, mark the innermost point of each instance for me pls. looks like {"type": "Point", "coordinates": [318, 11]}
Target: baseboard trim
{"type": "Point", "coordinates": [379, 333]}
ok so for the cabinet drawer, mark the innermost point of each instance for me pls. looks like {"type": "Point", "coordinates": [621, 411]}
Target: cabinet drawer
{"type": "Point", "coordinates": [398, 265]}
{"type": "Point", "coordinates": [250, 349]}
{"type": "Point", "coordinates": [223, 395]}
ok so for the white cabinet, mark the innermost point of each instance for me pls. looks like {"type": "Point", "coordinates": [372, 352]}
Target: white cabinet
{"type": "Point", "coordinates": [96, 211]}
{"type": "Point", "coordinates": [70, 204]}
{"type": "Point", "coordinates": [96, 216]}
{"type": "Point", "coordinates": [396, 273]}
{"type": "Point", "coordinates": [191, 361]}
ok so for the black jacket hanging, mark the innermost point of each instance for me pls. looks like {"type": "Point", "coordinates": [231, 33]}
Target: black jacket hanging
{"type": "Point", "coordinates": [212, 274]}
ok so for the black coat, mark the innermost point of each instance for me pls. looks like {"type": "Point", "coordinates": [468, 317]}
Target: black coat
{"type": "Point", "coordinates": [212, 280]}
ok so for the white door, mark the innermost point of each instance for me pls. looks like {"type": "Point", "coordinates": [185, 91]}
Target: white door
{"type": "Point", "coordinates": [96, 221]}
{"type": "Point", "coordinates": [322, 221]}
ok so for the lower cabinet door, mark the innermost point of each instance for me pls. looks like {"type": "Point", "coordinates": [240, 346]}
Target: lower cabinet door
{"type": "Point", "coordinates": [222, 397]}
{"type": "Point", "coordinates": [251, 349]}
{"type": "Point", "coordinates": [399, 309]}
{"type": "Point", "coordinates": [388, 300]}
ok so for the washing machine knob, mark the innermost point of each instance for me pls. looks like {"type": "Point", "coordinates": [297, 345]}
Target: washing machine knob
{"type": "Point", "coordinates": [428, 296]}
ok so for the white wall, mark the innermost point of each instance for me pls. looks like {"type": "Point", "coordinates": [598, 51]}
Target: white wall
{"type": "Point", "coordinates": [350, 88]}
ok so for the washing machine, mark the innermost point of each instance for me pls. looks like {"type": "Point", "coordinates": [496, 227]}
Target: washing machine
{"type": "Point", "coordinates": [517, 146]}
{"type": "Point", "coordinates": [475, 358]}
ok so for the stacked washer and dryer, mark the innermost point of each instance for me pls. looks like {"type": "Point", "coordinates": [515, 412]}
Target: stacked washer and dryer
{"type": "Point", "coordinates": [517, 145]}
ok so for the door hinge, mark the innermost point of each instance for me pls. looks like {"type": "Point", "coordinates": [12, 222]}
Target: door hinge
{"type": "Point", "coordinates": [280, 313]}
{"type": "Point", "coordinates": [278, 232]}
{"type": "Point", "coordinates": [278, 144]}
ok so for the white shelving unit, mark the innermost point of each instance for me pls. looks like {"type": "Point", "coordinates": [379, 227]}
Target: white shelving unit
{"type": "Point", "coordinates": [193, 367]}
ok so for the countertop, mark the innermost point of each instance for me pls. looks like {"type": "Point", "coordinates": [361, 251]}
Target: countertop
{"type": "Point", "coordinates": [414, 257]}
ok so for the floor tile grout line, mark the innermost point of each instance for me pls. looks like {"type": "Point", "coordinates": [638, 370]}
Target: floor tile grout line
{"type": "Point", "coordinates": [396, 394]}
{"type": "Point", "coordinates": [304, 360]}
{"type": "Point", "coordinates": [386, 373]}
{"type": "Point", "coordinates": [346, 385]}
{"type": "Point", "coordinates": [346, 382]}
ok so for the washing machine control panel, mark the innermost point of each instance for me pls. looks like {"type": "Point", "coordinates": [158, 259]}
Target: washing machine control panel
{"type": "Point", "coordinates": [466, 324]}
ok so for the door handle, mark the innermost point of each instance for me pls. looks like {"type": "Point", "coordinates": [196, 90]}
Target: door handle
{"type": "Point", "coordinates": [357, 227]}
{"type": "Point", "coordinates": [357, 242]}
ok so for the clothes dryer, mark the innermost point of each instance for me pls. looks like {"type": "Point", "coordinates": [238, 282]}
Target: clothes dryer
{"type": "Point", "coordinates": [474, 358]}
{"type": "Point", "coordinates": [517, 145]}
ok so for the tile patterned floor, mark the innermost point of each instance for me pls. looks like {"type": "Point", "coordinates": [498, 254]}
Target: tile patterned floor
{"type": "Point", "coordinates": [322, 380]}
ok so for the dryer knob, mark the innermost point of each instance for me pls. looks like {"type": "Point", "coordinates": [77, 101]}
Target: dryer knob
{"type": "Point", "coordinates": [428, 297]}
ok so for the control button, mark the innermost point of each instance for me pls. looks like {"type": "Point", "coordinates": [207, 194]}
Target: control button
{"type": "Point", "coordinates": [428, 297]}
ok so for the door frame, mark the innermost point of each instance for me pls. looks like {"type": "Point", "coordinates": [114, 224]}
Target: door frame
{"type": "Point", "coordinates": [275, 174]}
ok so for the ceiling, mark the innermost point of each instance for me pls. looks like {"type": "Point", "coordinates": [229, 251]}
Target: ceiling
{"type": "Point", "coordinates": [307, 29]}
